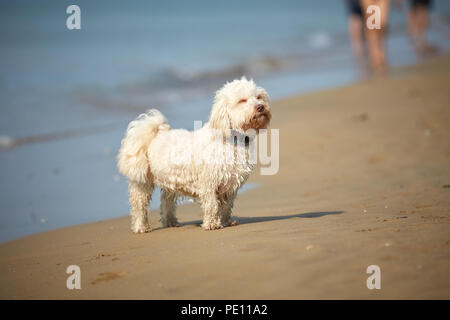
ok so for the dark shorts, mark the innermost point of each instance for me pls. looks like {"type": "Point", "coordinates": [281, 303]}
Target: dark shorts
{"type": "Point", "coordinates": [354, 7]}
{"type": "Point", "coordinates": [420, 3]}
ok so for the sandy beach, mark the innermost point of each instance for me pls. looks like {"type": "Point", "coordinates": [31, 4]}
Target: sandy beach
{"type": "Point", "coordinates": [364, 180]}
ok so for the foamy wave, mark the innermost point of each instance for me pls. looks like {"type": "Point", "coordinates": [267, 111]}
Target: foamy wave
{"type": "Point", "coordinates": [174, 85]}
{"type": "Point", "coordinates": [7, 142]}
{"type": "Point", "coordinates": [320, 40]}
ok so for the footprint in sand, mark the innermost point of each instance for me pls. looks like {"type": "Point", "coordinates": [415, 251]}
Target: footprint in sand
{"type": "Point", "coordinates": [108, 276]}
{"type": "Point", "coordinates": [376, 158]}
{"type": "Point", "coordinates": [425, 206]}
{"type": "Point", "coordinates": [101, 255]}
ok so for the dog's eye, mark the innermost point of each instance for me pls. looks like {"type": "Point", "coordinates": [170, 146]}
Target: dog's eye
{"type": "Point", "coordinates": [242, 101]}
{"type": "Point", "coordinates": [259, 97]}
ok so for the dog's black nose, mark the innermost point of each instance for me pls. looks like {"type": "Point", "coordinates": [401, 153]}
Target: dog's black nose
{"type": "Point", "coordinates": [260, 108]}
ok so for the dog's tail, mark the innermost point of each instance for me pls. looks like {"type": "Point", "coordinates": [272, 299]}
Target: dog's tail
{"type": "Point", "coordinates": [132, 158]}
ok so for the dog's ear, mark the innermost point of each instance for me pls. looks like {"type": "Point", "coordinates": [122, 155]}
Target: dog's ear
{"type": "Point", "coordinates": [261, 91]}
{"type": "Point", "coordinates": [219, 118]}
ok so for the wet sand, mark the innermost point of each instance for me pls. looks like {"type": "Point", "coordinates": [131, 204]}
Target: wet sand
{"type": "Point", "coordinates": [364, 180]}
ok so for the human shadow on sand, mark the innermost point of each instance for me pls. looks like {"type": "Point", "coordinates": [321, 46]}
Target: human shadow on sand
{"type": "Point", "coordinates": [246, 220]}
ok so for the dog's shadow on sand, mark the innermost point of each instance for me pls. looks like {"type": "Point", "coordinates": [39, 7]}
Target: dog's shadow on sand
{"type": "Point", "coordinates": [247, 220]}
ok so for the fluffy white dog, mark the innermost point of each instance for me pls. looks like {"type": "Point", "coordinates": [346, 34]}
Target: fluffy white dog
{"type": "Point", "coordinates": [200, 164]}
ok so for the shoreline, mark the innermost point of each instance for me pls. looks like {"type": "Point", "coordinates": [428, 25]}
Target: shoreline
{"type": "Point", "coordinates": [117, 128]}
{"type": "Point", "coordinates": [361, 182]}
{"type": "Point", "coordinates": [99, 141]}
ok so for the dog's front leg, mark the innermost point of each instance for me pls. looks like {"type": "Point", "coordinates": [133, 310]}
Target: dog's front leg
{"type": "Point", "coordinates": [226, 208]}
{"type": "Point", "coordinates": [168, 207]}
{"type": "Point", "coordinates": [211, 213]}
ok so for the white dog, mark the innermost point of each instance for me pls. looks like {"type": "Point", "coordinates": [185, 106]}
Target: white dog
{"type": "Point", "coordinates": [200, 164]}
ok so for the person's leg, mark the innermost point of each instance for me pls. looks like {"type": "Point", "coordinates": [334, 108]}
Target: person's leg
{"type": "Point", "coordinates": [384, 6]}
{"type": "Point", "coordinates": [356, 33]}
{"type": "Point", "coordinates": [376, 38]}
{"type": "Point", "coordinates": [422, 25]}
{"type": "Point", "coordinates": [418, 22]}
{"type": "Point", "coordinates": [412, 24]}
{"type": "Point", "coordinates": [355, 30]}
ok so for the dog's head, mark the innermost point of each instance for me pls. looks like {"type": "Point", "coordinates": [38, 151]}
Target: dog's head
{"type": "Point", "coordinates": [240, 105]}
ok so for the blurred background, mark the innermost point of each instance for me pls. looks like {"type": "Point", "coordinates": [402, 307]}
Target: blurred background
{"type": "Point", "coordinates": [66, 96]}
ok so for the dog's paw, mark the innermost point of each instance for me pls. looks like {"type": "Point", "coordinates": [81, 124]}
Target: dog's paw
{"type": "Point", "coordinates": [170, 224]}
{"type": "Point", "coordinates": [212, 226]}
{"type": "Point", "coordinates": [233, 223]}
{"type": "Point", "coordinates": [173, 225]}
{"type": "Point", "coordinates": [141, 229]}
{"type": "Point", "coordinates": [230, 223]}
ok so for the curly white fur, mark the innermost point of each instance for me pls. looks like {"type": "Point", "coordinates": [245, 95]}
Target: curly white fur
{"type": "Point", "coordinates": [200, 164]}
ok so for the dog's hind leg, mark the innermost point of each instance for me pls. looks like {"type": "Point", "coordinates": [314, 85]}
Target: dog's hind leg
{"type": "Point", "coordinates": [168, 208]}
{"type": "Point", "coordinates": [140, 196]}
